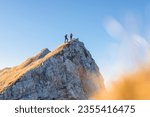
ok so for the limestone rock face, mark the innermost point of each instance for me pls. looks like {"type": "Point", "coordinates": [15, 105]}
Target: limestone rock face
{"type": "Point", "coordinates": [68, 72]}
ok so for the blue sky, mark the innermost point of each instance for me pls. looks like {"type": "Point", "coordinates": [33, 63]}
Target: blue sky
{"type": "Point", "coordinates": [116, 32]}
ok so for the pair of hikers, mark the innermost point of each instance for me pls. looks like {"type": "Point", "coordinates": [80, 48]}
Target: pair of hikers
{"type": "Point", "coordinates": [66, 37]}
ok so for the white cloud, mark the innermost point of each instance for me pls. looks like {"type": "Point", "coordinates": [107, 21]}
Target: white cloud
{"type": "Point", "coordinates": [114, 28]}
{"type": "Point", "coordinates": [132, 50]}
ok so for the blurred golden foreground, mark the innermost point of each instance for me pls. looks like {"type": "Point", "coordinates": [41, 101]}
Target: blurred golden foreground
{"type": "Point", "coordinates": [132, 86]}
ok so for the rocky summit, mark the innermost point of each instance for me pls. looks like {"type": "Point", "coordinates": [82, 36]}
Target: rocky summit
{"type": "Point", "coordinates": [68, 72]}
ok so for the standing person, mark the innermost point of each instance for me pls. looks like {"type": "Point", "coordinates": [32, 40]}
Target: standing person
{"type": "Point", "coordinates": [66, 38]}
{"type": "Point", "coordinates": [71, 35]}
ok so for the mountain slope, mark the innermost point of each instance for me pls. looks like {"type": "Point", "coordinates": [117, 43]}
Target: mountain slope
{"type": "Point", "coordinates": [68, 72]}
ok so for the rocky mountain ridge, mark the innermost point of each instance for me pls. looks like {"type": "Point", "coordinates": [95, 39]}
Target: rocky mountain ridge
{"type": "Point", "coordinates": [68, 72]}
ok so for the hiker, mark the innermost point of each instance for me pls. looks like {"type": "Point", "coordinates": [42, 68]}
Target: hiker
{"type": "Point", "coordinates": [71, 35]}
{"type": "Point", "coordinates": [66, 38]}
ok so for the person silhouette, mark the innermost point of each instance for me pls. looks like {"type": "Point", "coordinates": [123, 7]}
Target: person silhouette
{"type": "Point", "coordinates": [71, 35]}
{"type": "Point", "coordinates": [66, 38]}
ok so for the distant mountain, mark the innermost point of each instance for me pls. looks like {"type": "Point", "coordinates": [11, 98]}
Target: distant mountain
{"type": "Point", "coordinates": [68, 72]}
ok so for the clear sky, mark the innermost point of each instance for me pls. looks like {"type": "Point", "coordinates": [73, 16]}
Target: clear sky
{"type": "Point", "coordinates": [116, 32]}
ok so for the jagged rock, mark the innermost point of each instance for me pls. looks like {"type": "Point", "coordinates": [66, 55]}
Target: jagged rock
{"type": "Point", "coordinates": [68, 72]}
{"type": "Point", "coordinates": [38, 56]}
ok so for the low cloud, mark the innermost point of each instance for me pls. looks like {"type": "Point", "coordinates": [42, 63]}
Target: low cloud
{"type": "Point", "coordinates": [132, 48]}
{"type": "Point", "coordinates": [133, 86]}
